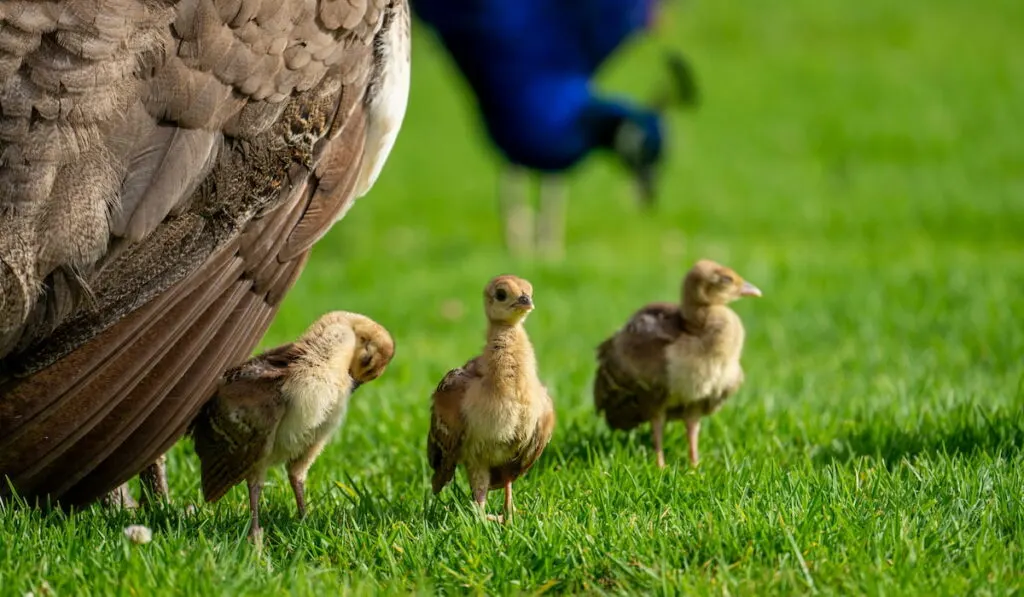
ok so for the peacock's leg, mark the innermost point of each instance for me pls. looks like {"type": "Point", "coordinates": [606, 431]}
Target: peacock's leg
{"type": "Point", "coordinates": [551, 226]}
{"type": "Point", "coordinates": [153, 480]}
{"type": "Point", "coordinates": [516, 213]}
{"type": "Point", "coordinates": [120, 497]}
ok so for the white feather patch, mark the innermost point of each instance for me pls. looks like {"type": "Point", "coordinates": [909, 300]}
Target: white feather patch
{"type": "Point", "coordinates": [387, 107]}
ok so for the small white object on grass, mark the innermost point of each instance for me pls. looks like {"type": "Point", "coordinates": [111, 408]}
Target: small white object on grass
{"type": "Point", "coordinates": [138, 533]}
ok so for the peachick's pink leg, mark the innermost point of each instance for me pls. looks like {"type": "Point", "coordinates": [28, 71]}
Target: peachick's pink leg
{"type": "Point", "coordinates": [693, 434]}
{"type": "Point", "coordinates": [508, 500]}
{"type": "Point", "coordinates": [298, 483]}
{"type": "Point", "coordinates": [479, 484]}
{"type": "Point", "coordinates": [658, 428]}
{"type": "Point", "coordinates": [255, 487]}
{"type": "Point", "coordinates": [297, 470]}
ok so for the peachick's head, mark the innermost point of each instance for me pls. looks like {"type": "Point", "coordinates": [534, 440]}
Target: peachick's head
{"type": "Point", "coordinates": [709, 283]}
{"type": "Point", "coordinates": [374, 349]}
{"type": "Point", "coordinates": [371, 344]}
{"type": "Point", "coordinates": [508, 300]}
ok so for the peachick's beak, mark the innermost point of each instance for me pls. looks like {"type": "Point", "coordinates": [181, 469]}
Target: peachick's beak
{"type": "Point", "coordinates": [524, 302]}
{"type": "Point", "coordinates": [749, 289]}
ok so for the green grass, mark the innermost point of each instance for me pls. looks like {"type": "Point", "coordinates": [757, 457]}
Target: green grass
{"type": "Point", "coordinates": [861, 162]}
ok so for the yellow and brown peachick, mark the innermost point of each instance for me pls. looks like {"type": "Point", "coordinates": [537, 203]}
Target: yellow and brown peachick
{"type": "Point", "coordinates": [675, 361]}
{"type": "Point", "coordinates": [493, 415]}
{"type": "Point", "coordinates": [283, 405]}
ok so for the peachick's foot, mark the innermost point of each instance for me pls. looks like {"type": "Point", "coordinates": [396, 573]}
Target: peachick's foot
{"type": "Point", "coordinates": [256, 538]}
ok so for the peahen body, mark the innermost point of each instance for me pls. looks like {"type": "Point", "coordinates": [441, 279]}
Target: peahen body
{"type": "Point", "coordinates": [530, 65]}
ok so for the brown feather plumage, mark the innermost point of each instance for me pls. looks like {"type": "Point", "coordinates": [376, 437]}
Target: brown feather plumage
{"type": "Point", "coordinates": [446, 426]}
{"type": "Point", "coordinates": [639, 371]}
{"type": "Point", "coordinates": [675, 361]}
{"type": "Point", "coordinates": [156, 160]}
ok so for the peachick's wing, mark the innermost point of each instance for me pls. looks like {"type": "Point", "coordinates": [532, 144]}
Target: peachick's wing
{"type": "Point", "coordinates": [447, 427]}
{"type": "Point", "coordinates": [631, 380]}
{"type": "Point", "coordinates": [236, 429]}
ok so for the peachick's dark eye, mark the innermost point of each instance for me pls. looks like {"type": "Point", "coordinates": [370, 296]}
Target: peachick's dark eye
{"type": "Point", "coordinates": [501, 295]}
{"type": "Point", "coordinates": [725, 279]}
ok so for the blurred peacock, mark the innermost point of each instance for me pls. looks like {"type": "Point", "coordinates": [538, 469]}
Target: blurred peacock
{"type": "Point", "coordinates": [165, 168]}
{"type": "Point", "coordinates": [530, 65]}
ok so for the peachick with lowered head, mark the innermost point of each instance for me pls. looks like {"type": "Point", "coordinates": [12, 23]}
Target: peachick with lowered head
{"type": "Point", "coordinates": [283, 405]}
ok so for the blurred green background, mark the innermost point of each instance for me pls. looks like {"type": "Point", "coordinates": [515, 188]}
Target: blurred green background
{"type": "Point", "coordinates": [862, 163]}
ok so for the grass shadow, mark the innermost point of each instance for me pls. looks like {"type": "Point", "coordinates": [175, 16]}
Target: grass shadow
{"type": "Point", "coordinates": [593, 444]}
{"type": "Point", "coordinates": [161, 517]}
{"type": "Point", "coordinates": [967, 430]}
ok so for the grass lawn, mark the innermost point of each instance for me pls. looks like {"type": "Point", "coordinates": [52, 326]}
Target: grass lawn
{"type": "Point", "coordinates": [861, 162]}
